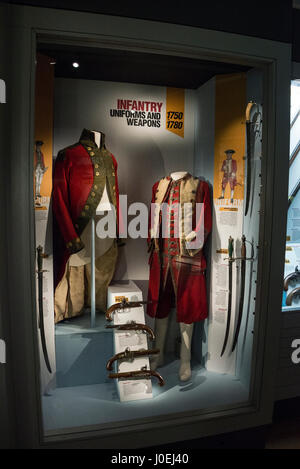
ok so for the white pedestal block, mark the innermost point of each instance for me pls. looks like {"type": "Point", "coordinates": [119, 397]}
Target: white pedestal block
{"type": "Point", "coordinates": [131, 389]}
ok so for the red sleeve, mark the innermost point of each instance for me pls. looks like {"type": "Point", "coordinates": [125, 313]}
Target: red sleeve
{"type": "Point", "coordinates": [61, 208]}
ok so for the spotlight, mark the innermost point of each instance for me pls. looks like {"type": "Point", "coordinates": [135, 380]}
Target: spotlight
{"type": "Point", "coordinates": [75, 64]}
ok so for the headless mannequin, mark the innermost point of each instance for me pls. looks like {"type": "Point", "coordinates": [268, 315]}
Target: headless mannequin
{"type": "Point", "coordinates": [102, 245]}
{"type": "Point", "coordinates": [186, 331]}
{"type": "Point", "coordinates": [85, 279]}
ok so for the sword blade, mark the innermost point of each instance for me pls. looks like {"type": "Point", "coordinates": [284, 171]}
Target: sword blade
{"type": "Point", "coordinates": [241, 305]}
{"type": "Point", "coordinates": [41, 307]}
{"type": "Point", "coordinates": [228, 309]}
{"type": "Point", "coordinates": [248, 140]}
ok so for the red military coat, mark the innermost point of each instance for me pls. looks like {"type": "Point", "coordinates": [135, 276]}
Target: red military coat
{"type": "Point", "coordinates": [80, 175]}
{"type": "Point", "coordinates": [171, 259]}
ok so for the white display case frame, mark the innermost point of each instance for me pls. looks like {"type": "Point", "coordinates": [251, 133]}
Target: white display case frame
{"type": "Point", "coordinates": [25, 26]}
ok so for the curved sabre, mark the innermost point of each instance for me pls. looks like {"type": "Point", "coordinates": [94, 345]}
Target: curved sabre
{"type": "Point", "coordinates": [40, 256]}
{"type": "Point", "coordinates": [230, 260]}
{"type": "Point", "coordinates": [249, 154]}
{"type": "Point", "coordinates": [242, 293]}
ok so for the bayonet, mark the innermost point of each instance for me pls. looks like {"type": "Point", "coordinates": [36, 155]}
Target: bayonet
{"type": "Point", "coordinates": [40, 272]}
{"type": "Point", "coordinates": [230, 261]}
{"type": "Point", "coordinates": [124, 304]}
{"type": "Point", "coordinates": [130, 355]}
{"type": "Point", "coordinates": [133, 326]}
{"type": "Point", "coordinates": [142, 373]}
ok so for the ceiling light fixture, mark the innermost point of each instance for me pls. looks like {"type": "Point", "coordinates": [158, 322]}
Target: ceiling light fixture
{"type": "Point", "coordinates": [75, 64]}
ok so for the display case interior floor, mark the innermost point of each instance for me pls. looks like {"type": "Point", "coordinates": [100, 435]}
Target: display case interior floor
{"type": "Point", "coordinates": [85, 397]}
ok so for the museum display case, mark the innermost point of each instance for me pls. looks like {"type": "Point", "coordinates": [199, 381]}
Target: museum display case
{"type": "Point", "coordinates": [148, 166]}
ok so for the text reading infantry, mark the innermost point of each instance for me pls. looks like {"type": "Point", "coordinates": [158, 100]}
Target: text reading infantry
{"type": "Point", "coordinates": [138, 113]}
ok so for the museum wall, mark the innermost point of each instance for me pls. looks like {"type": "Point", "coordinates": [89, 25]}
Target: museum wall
{"type": "Point", "coordinates": [144, 154]}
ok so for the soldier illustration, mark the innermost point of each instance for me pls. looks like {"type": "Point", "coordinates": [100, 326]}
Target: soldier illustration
{"type": "Point", "coordinates": [39, 169]}
{"type": "Point", "coordinates": [229, 168]}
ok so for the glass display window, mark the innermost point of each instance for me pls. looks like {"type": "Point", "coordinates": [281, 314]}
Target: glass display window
{"type": "Point", "coordinates": [290, 299]}
{"type": "Point", "coordinates": [147, 225]}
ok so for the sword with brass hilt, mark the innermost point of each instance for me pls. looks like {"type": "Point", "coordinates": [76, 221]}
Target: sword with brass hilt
{"type": "Point", "coordinates": [130, 355]}
{"type": "Point", "coordinates": [142, 373]}
{"type": "Point", "coordinates": [230, 261]}
{"type": "Point", "coordinates": [242, 292]}
{"type": "Point", "coordinates": [123, 305]}
{"type": "Point", "coordinates": [133, 326]}
{"type": "Point", "coordinates": [40, 273]}
{"type": "Point", "coordinates": [243, 258]}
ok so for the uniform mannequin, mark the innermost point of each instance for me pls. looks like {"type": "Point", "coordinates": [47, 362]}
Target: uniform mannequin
{"type": "Point", "coordinates": [79, 196]}
{"type": "Point", "coordinates": [83, 257]}
{"type": "Point", "coordinates": [186, 330]}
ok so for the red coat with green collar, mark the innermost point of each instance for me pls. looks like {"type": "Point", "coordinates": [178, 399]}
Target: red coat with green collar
{"type": "Point", "coordinates": [81, 173]}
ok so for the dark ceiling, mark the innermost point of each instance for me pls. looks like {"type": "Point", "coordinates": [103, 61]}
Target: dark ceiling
{"type": "Point", "coordinates": [135, 67]}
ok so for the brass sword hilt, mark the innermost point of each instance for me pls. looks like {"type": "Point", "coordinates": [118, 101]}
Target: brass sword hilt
{"type": "Point", "coordinates": [291, 276]}
{"type": "Point", "coordinates": [40, 256]}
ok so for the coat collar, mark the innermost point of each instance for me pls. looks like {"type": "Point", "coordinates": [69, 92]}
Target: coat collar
{"type": "Point", "coordinates": [87, 138]}
{"type": "Point", "coordinates": [187, 176]}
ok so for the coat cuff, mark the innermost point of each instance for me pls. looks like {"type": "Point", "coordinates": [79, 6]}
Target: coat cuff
{"type": "Point", "coordinates": [75, 245]}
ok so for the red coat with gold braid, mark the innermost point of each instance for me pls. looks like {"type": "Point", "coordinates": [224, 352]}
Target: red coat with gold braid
{"type": "Point", "coordinates": [80, 175]}
{"type": "Point", "coordinates": [176, 266]}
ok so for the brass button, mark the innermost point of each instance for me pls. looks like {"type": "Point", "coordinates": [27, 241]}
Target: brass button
{"type": "Point", "coordinates": [93, 194]}
{"type": "Point", "coordinates": [114, 187]}
{"type": "Point", "coordinates": [113, 174]}
{"type": "Point", "coordinates": [95, 186]}
{"type": "Point", "coordinates": [97, 173]}
{"type": "Point", "coordinates": [86, 207]}
{"type": "Point", "coordinates": [96, 166]}
{"type": "Point", "coordinates": [92, 153]}
{"type": "Point", "coordinates": [89, 148]}
{"type": "Point", "coordinates": [69, 245]}
{"type": "Point", "coordinates": [77, 240]}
